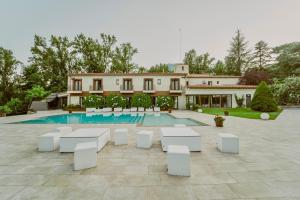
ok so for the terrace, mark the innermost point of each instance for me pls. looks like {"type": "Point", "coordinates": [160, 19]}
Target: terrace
{"type": "Point", "coordinates": [259, 171]}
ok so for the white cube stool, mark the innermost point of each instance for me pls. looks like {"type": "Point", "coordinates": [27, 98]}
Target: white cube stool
{"type": "Point", "coordinates": [178, 159]}
{"type": "Point", "coordinates": [85, 155]}
{"type": "Point", "coordinates": [64, 129]}
{"type": "Point", "coordinates": [121, 136]}
{"type": "Point", "coordinates": [228, 143]}
{"type": "Point", "coordinates": [144, 139]}
{"type": "Point", "coordinates": [49, 141]}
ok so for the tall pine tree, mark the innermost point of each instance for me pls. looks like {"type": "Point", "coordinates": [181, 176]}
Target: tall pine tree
{"type": "Point", "coordinates": [239, 55]}
{"type": "Point", "coordinates": [262, 55]}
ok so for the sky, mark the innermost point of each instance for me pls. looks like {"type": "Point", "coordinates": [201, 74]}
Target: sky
{"type": "Point", "coordinates": [152, 26]}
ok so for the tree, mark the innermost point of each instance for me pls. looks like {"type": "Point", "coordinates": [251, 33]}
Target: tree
{"type": "Point", "coordinates": [54, 60]}
{"type": "Point", "coordinates": [239, 55]}
{"type": "Point", "coordinates": [141, 70]}
{"type": "Point", "coordinates": [287, 60]}
{"type": "Point", "coordinates": [198, 63]}
{"type": "Point", "coordinates": [122, 59]}
{"type": "Point", "coordinates": [263, 99]}
{"type": "Point", "coordinates": [287, 91]}
{"type": "Point", "coordinates": [32, 76]}
{"type": "Point", "coordinates": [219, 68]}
{"type": "Point", "coordinates": [262, 55]}
{"type": "Point", "coordinates": [8, 66]}
{"type": "Point", "coordinates": [114, 101]}
{"type": "Point", "coordinates": [94, 56]}
{"type": "Point", "coordinates": [161, 68]}
{"type": "Point", "coordinates": [254, 76]}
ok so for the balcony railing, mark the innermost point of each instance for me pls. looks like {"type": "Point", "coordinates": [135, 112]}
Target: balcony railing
{"type": "Point", "coordinates": [148, 89]}
{"type": "Point", "coordinates": [95, 89]}
{"type": "Point", "coordinates": [126, 88]}
{"type": "Point", "coordinates": [73, 89]}
{"type": "Point", "coordinates": [176, 88]}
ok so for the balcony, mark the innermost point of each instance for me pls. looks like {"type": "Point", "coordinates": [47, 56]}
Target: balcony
{"type": "Point", "coordinates": [74, 90]}
{"type": "Point", "coordinates": [149, 90]}
{"type": "Point", "coordinates": [175, 89]}
{"type": "Point", "coordinates": [94, 90]}
{"type": "Point", "coordinates": [126, 89]}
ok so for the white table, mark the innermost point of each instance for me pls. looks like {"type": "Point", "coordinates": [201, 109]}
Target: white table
{"type": "Point", "coordinates": [69, 141]}
{"type": "Point", "coordinates": [180, 136]}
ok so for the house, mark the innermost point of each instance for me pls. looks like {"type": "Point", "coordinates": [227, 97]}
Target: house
{"type": "Point", "coordinates": [203, 89]}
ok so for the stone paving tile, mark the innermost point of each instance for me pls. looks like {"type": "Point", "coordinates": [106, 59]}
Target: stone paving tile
{"type": "Point", "coordinates": [123, 192]}
{"type": "Point", "coordinates": [267, 167]}
{"type": "Point", "coordinates": [6, 192]}
{"type": "Point", "coordinates": [170, 193]}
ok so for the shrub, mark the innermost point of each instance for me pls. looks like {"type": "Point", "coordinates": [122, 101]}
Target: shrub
{"type": "Point", "coordinates": [15, 105]}
{"type": "Point", "coordinates": [263, 99]}
{"type": "Point", "coordinates": [93, 101]}
{"type": "Point", "coordinates": [5, 109]}
{"type": "Point", "coordinates": [36, 93]}
{"type": "Point", "coordinates": [239, 100]}
{"type": "Point", "coordinates": [165, 102]}
{"type": "Point", "coordinates": [287, 91]}
{"type": "Point", "coordinates": [141, 100]}
{"type": "Point", "coordinates": [114, 101]}
{"type": "Point", "coordinates": [72, 106]}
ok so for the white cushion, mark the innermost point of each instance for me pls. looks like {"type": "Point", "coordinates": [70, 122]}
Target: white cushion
{"type": "Point", "coordinates": [178, 159]}
{"type": "Point", "coordinates": [121, 136]}
{"type": "Point", "coordinates": [228, 143]}
{"type": "Point", "coordinates": [85, 155]}
{"type": "Point", "coordinates": [49, 141]}
{"type": "Point", "coordinates": [144, 139]}
{"type": "Point", "coordinates": [107, 109]}
{"type": "Point", "coordinates": [149, 110]}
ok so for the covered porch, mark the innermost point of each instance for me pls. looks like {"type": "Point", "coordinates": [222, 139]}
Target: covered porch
{"type": "Point", "coordinates": [211, 100]}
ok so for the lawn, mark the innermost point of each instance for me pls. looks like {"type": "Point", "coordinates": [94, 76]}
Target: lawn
{"type": "Point", "coordinates": [239, 112]}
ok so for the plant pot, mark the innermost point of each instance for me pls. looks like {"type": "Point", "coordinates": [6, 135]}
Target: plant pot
{"type": "Point", "coordinates": [219, 124]}
{"type": "Point", "coordinates": [70, 111]}
{"type": "Point", "coordinates": [226, 113]}
{"type": "Point", "coordinates": [170, 110]}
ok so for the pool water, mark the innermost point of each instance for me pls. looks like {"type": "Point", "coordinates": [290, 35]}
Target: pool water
{"type": "Point", "coordinates": [145, 119]}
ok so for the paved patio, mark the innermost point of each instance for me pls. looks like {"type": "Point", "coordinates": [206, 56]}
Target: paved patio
{"type": "Point", "coordinates": [268, 166]}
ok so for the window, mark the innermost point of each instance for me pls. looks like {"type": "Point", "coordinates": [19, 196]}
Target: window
{"type": "Point", "coordinates": [127, 84]}
{"type": "Point", "coordinates": [209, 82]}
{"type": "Point", "coordinates": [77, 85]}
{"type": "Point", "coordinates": [175, 84]}
{"type": "Point", "coordinates": [97, 84]}
{"type": "Point", "coordinates": [218, 82]}
{"type": "Point", "coordinates": [117, 81]}
{"type": "Point", "coordinates": [148, 84]}
{"type": "Point", "coordinates": [203, 82]}
{"type": "Point", "coordinates": [182, 68]}
{"type": "Point", "coordinates": [158, 81]}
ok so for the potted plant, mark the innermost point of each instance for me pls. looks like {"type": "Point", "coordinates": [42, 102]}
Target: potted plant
{"type": "Point", "coordinates": [219, 120]}
{"type": "Point", "coordinates": [226, 112]}
{"type": "Point", "coordinates": [4, 110]}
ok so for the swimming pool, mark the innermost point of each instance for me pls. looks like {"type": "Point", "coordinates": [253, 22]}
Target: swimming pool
{"type": "Point", "coordinates": [144, 119]}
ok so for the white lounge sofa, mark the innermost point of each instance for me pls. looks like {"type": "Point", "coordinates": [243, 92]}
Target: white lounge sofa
{"type": "Point", "coordinates": [90, 110]}
{"type": "Point", "coordinates": [156, 109]}
{"type": "Point", "coordinates": [149, 109]}
{"type": "Point", "coordinates": [99, 110]}
{"type": "Point", "coordinates": [107, 109]}
{"type": "Point", "coordinates": [141, 109]}
{"type": "Point", "coordinates": [126, 110]}
{"type": "Point", "coordinates": [133, 109]}
{"type": "Point", "coordinates": [118, 109]}
{"type": "Point", "coordinates": [99, 135]}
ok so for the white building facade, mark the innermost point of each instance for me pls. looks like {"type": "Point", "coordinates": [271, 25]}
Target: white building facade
{"type": "Point", "coordinates": [202, 89]}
